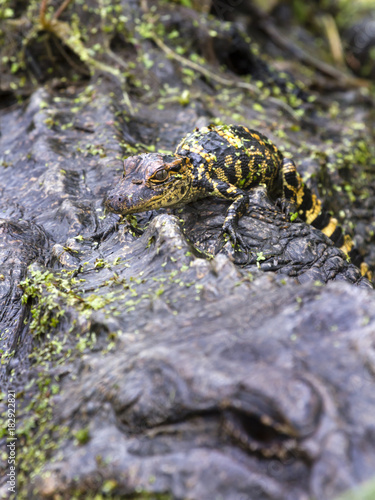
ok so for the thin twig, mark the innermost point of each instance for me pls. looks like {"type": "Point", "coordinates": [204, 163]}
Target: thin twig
{"type": "Point", "coordinates": [219, 79]}
{"type": "Point", "coordinates": [68, 37]}
{"type": "Point", "coordinates": [270, 29]}
{"type": "Point", "coordinates": [200, 69]}
{"type": "Point", "coordinates": [61, 9]}
{"type": "Point", "coordinates": [334, 40]}
{"type": "Point", "coordinates": [81, 69]}
{"type": "Point", "coordinates": [42, 11]}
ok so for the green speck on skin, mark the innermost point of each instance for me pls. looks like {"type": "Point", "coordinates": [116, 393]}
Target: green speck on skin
{"type": "Point", "coordinates": [173, 34]}
{"type": "Point", "coordinates": [260, 256]}
{"type": "Point", "coordinates": [82, 436]}
{"type": "Point", "coordinates": [258, 107]}
{"type": "Point", "coordinates": [99, 263]}
{"type": "Point", "coordinates": [109, 485]}
{"type": "Point", "coordinates": [293, 216]}
{"type": "Point", "coordinates": [318, 283]}
{"type": "Point", "coordinates": [184, 98]}
{"type": "Point", "coordinates": [365, 320]}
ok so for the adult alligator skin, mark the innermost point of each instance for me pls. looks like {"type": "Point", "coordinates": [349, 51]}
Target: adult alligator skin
{"type": "Point", "coordinates": [224, 161]}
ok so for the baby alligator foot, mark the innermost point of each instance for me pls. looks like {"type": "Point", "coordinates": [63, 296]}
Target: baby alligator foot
{"type": "Point", "coordinates": [230, 231]}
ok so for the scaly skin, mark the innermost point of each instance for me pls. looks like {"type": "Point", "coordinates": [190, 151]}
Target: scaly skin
{"type": "Point", "coordinates": [224, 161]}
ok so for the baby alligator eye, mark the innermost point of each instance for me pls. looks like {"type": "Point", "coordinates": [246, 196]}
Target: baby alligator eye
{"type": "Point", "coordinates": [160, 175]}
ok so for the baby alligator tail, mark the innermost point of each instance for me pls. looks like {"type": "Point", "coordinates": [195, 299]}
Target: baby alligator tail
{"type": "Point", "coordinates": [310, 209]}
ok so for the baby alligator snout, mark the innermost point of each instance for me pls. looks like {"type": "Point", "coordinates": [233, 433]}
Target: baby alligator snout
{"type": "Point", "coordinates": [117, 202]}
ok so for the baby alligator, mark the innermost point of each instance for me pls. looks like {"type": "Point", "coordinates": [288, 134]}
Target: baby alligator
{"type": "Point", "coordinates": [223, 161]}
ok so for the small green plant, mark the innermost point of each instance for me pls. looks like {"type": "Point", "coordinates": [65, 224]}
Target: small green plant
{"type": "Point", "coordinates": [43, 289]}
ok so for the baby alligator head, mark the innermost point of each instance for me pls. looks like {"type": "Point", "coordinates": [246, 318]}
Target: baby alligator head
{"type": "Point", "coordinates": [151, 181]}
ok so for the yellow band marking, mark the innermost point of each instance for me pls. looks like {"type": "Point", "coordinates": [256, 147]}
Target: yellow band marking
{"type": "Point", "coordinates": [229, 160]}
{"type": "Point", "coordinates": [238, 169]}
{"type": "Point", "coordinates": [220, 173]}
{"type": "Point", "coordinates": [314, 211]}
{"type": "Point", "coordinates": [348, 244]}
{"type": "Point", "coordinates": [365, 271]}
{"type": "Point", "coordinates": [330, 227]}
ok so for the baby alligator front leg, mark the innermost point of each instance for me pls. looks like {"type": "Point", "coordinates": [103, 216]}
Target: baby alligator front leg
{"type": "Point", "coordinates": [235, 211]}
